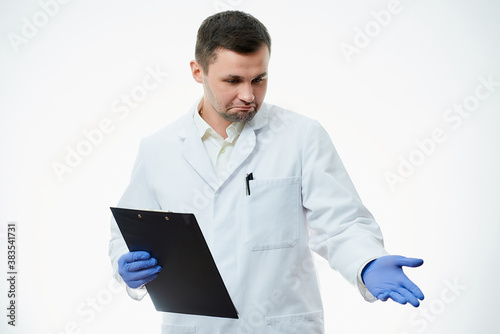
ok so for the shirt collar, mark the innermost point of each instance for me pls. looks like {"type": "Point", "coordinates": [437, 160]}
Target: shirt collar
{"type": "Point", "coordinates": [201, 125]}
{"type": "Point", "coordinates": [234, 130]}
{"type": "Point", "coordinates": [260, 119]}
{"type": "Point", "coordinates": [204, 129]}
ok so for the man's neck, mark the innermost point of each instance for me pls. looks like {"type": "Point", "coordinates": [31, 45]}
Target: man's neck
{"type": "Point", "coordinates": [213, 119]}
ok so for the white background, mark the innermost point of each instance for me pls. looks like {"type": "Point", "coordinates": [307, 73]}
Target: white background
{"type": "Point", "coordinates": [64, 76]}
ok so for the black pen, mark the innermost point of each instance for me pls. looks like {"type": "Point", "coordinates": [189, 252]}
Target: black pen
{"type": "Point", "coordinates": [247, 180]}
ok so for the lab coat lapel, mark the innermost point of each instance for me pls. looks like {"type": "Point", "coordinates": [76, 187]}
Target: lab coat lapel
{"type": "Point", "coordinates": [195, 153]}
{"type": "Point", "coordinates": [248, 139]}
{"type": "Point", "coordinates": [244, 147]}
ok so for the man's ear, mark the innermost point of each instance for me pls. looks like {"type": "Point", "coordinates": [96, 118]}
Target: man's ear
{"type": "Point", "coordinates": [197, 71]}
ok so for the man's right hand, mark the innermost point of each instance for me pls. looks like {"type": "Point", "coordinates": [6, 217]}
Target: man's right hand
{"type": "Point", "coordinates": [137, 268]}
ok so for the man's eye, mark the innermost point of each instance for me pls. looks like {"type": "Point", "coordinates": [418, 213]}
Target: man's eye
{"type": "Point", "coordinates": [232, 81]}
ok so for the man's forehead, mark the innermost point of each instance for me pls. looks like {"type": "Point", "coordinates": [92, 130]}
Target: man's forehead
{"type": "Point", "coordinates": [223, 52]}
{"type": "Point", "coordinates": [228, 59]}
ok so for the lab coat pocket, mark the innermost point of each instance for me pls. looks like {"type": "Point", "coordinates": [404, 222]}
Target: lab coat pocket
{"type": "Point", "coordinates": [167, 329]}
{"type": "Point", "coordinates": [310, 323]}
{"type": "Point", "coordinates": [272, 213]}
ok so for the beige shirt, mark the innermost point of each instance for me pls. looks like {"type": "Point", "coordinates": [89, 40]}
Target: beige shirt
{"type": "Point", "coordinates": [218, 148]}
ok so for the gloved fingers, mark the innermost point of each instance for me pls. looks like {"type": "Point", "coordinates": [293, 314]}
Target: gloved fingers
{"type": "Point", "coordinates": [137, 268]}
{"type": "Point", "coordinates": [383, 296]}
{"type": "Point", "coordinates": [134, 256]}
{"type": "Point", "coordinates": [412, 287]}
{"type": "Point", "coordinates": [142, 274]}
{"type": "Point", "coordinates": [140, 265]}
{"type": "Point", "coordinates": [408, 262]}
{"type": "Point", "coordinates": [397, 297]}
{"type": "Point", "coordinates": [407, 296]}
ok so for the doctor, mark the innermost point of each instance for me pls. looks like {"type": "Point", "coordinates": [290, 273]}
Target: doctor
{"type": "Point", "coordinates": [267, 188]}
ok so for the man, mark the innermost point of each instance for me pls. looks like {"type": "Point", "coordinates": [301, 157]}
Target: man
{"type": "Point", "coordinates": [266, 186]}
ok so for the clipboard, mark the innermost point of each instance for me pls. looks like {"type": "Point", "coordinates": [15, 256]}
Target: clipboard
{"type": "Point", "coordinates": [190, 282]}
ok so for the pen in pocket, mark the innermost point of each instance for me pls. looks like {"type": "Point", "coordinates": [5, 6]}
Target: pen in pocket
{"type": "Point", "coordinates": [247, 182]}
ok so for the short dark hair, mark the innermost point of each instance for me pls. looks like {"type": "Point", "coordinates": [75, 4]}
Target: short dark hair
{"type": "Point", "coordinates": [232, 30]}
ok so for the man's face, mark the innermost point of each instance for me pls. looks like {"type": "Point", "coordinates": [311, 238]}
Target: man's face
{"type": "Point", "coordinates": [236, 84]}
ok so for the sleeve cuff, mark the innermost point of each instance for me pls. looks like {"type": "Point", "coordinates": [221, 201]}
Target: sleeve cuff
{"type": "Point", "coordinates": [138, 293]}
{"type": "Point", "coordinates": [362, 287]}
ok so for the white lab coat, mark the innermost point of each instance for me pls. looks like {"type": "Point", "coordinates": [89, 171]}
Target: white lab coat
{"type": "Point", "coordinates": [301, 199]}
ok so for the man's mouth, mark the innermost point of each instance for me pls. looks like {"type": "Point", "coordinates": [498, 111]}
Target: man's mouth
{"type": "Point", "coordinates": [244, 107]}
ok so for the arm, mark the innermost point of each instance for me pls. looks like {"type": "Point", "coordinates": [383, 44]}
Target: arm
{"type": "Point", "coordinates": [137, 195]}
{"type": "Point", "coordinates": [343, 230]}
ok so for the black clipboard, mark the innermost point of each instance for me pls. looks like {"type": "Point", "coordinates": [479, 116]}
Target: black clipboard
{"type": "Point", "coordinates": [190, 282]}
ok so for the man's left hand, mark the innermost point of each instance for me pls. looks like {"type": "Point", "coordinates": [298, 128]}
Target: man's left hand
{"type": "Point", "coordinates": [384, 278]}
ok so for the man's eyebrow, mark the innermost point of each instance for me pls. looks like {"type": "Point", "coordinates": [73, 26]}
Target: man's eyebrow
{"type": "Point", "coordinates": [232, 76]}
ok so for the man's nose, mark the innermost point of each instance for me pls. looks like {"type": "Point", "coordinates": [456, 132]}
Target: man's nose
{"type": "Point", "coordinates": [246, 93]}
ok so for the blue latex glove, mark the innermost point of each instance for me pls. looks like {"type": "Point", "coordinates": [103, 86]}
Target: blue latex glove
{"type": "Point", "coordinates": [384, 278]}
{"type": "Point", "coordinates": [137, 268]}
